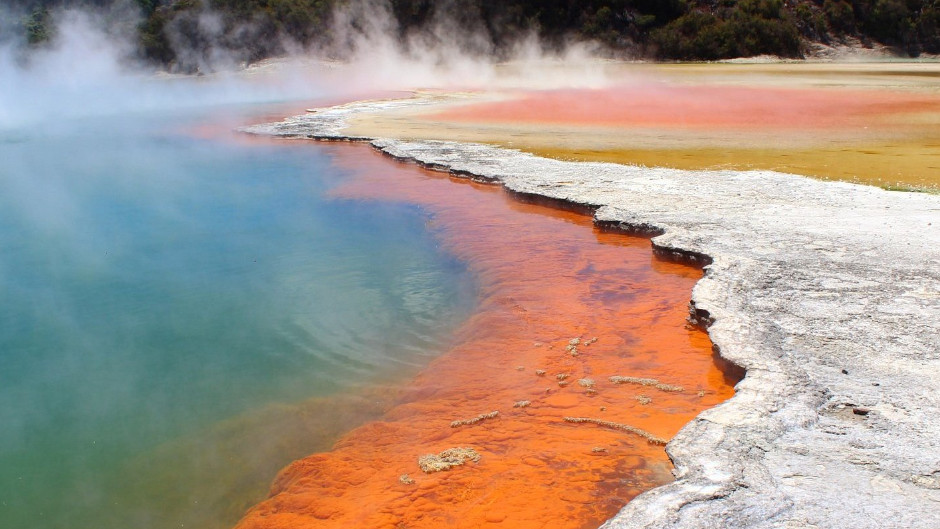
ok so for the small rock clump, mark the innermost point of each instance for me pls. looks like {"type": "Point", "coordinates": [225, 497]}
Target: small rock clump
{"type": "Point", "coordinates": [450, 458]}
{"type": "Point", "coordinates": [572, 346]}
{"type": "Point", "coordinates": [652, 439]}
{"type": "Point", "coordinates": [645, 382]}
{"type": "Point", "coordinates": [474, 420]}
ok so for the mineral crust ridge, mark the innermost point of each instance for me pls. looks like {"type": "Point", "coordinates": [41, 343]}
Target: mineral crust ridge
{"type": "Point", "coordinates": [826, 293]}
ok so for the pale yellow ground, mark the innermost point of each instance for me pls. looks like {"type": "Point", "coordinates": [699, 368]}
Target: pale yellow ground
{"type": "Point", "coordinates": [902, 152]}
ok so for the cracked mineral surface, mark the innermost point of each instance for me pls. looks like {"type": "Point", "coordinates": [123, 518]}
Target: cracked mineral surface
{"type": "Point", "coordinates": [828, 294]}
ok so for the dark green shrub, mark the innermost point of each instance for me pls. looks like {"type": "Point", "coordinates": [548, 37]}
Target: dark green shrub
{"type": "Point", "coordinates": [928, 29]}
{"type": "Point", "coordinates": [745, 28]}
{"type": "Point", "coordinates": [152, 40]}
{"type": "Point", "coordinates": [840, 15]}
{"type": "Point", "coordinates": [38, 26]}
{"type": "Point", "coordinates": [811, 22]}
{"type": "Point", "coordinates": [890, 22]}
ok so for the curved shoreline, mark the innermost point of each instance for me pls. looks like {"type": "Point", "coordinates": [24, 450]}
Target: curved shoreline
{"type": "Point", "coordinates": [826, 293]}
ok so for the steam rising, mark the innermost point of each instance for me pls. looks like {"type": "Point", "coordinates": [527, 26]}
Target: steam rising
{"type": "Point", "coordinates": [86, 72]}
{"type": "Point", "coordinates": [67, 181]}
{"type": "Point", "coordinates": [89, 68]}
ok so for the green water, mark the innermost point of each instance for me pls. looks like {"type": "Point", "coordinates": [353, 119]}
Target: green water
{"type": "Point", "coordinates": [179, 317]}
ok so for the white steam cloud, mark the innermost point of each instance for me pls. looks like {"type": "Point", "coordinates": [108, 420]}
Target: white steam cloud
{"type": "Point", "coordinates": [87, 70]}
{"type": "Point", "coordinates": [451, 53]}
{"type": "Point", "coordinates": [86, 73]}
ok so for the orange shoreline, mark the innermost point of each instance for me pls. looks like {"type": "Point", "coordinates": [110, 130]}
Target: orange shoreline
{"type": "Point", "coordinates": [547, 277]}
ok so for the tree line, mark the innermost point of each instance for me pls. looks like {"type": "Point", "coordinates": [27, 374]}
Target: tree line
{"type": "Point", "coordinates": [250, 30]}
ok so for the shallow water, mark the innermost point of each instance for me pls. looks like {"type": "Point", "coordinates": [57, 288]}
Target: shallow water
{"type": "Point", "coordinates": [186, 311]}
{"type": "Point", "coordinates": [183, 314]}
{"type": "Point", "coordinates": [546, 277]}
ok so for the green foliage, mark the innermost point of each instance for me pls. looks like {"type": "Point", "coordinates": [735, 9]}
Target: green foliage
{"type": "Point", "coordinates": [742, 29]}
{"type": "Point", "coordinates": [299, 20]}
{"type": "Point", "coordinates": [38, 26]}
{"type": "Point", "coordinates": [890, 21]}
{"type": "Point", "coordinates": [811, 21]}
{"type": "Point", "coordinates": [610, 27]}
{"type": "Point", "coordinates": [841, 16]}
{"type": "Point", "coordinates": [152, 39]}
{"type": "Point", "coordinates": [671, 29]}
{"type": "Point", "coordinates": [147, 7]}
{"type": "Point", "coordinates": [694, 34]}
{"type": "Point", "coordinates": [928, 28]}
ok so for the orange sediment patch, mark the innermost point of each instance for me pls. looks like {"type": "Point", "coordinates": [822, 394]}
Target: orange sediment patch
{"type": "Point", "coordinates": [663, 105]}
{"type": "Point", "coordinates": [878, 137]}
{"type": "Point", "coordinates": [549, 284]}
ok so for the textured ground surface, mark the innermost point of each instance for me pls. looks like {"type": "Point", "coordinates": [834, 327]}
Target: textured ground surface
{"type": "Point", "coordinates": [827, 293]}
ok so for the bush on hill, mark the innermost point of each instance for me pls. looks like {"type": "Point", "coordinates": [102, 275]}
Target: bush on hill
{"type": "Point", "coordinates": [737, 29]}
{"type": "Point", "coordinates": [184, 34]}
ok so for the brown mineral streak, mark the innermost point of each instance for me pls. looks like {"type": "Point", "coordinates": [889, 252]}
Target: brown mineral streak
{"type": "Point", "coordinates": [545, 277]}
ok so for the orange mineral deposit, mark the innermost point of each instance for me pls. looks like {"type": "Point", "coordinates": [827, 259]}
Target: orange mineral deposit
{"type": "Point", "coordinates": [881, 130]}
{"type": "Point", "coordinates": [552, 405]}
{"type": "Point", "coordinates": [670, 106]}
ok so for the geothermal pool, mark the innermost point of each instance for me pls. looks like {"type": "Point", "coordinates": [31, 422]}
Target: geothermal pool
{"type": "Point", "coordinates": [552, 439]}
{"type": "Point", "coordinates": [566, 312]}
{"type": "Point", "coordinates": [183, 314]}
{"type": "Point", "coordinates": [186, 311]}
{"type": "Point", "coordinates": [204, 328]}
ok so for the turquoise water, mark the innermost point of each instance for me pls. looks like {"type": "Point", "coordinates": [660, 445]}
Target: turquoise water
{"type": "Point", "coordinates": [179, 317]}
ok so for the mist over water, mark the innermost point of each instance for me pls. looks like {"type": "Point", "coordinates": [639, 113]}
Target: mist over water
{"type": "Point", "coordinates": [182, 316]}
{"type": "Point", "coordinates": [162, 292]}
{"type": "Point", "coordinates": [87, 73]}
{"type": "Point", "coordinates": [90, 69]}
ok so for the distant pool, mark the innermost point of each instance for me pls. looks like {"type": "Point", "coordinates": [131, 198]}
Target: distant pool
{"type": "Point", "coordinates": [181, 316]}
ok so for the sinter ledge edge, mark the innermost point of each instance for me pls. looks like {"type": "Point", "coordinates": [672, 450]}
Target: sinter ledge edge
{"type": "Point", "coordinates": [827, 293]}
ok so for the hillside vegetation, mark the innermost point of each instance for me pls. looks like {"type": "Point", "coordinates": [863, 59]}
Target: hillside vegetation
{"type": "Point", "coordinates": [182, 33]}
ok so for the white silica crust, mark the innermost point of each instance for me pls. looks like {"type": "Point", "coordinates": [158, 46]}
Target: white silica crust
{"type": "Point", "coordinates": [828, 294]}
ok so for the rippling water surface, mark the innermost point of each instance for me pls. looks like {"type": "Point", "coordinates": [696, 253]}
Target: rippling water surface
{"type": "Point", "coordinates": [182, 315]}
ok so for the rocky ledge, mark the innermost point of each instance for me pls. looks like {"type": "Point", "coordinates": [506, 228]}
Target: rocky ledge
{"type": "Point", "coordinates": [828, 294]}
